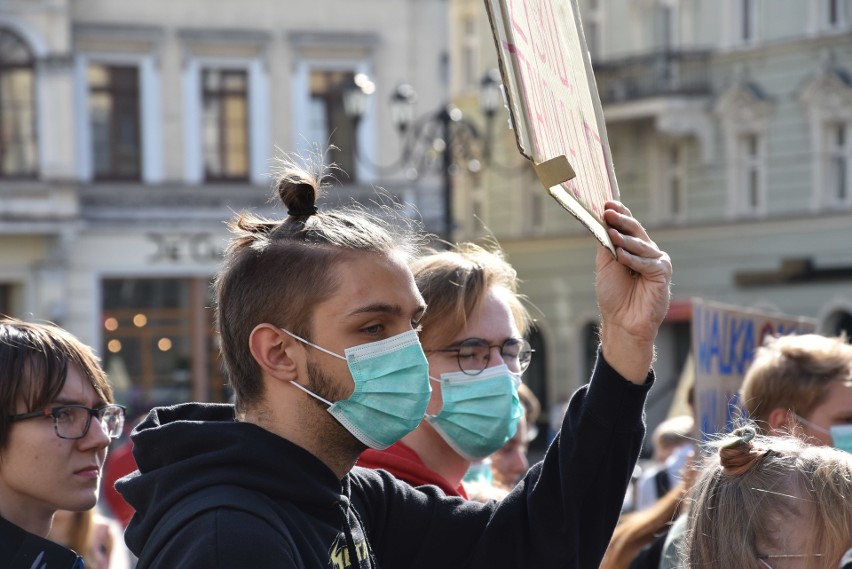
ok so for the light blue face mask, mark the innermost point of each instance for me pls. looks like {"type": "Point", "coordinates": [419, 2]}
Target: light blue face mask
{"type": "Point", "coordinates": [391, 389]}
{"type": "Point", "coordinates": [841, 435]}
{"type": "Point", "coordinates": [480, 412]}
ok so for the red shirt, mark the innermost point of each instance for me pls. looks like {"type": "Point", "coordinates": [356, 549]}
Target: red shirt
{"type": "Point", "coordinates": [119, 462]}
{"type": "Point", "coordinates": [406, 465]}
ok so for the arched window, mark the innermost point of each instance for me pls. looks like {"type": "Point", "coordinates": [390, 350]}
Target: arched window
{"type": "Point", "coordinates": [536, 375]}
{"type": "Point", "coordinates": [18, 152]}
{"type": "Point", "coordinates": [840, 321]}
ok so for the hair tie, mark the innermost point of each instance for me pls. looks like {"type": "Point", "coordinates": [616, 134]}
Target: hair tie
{"type": "Point", "coordinates": [306, 212]}
{"type": "Point", "coordinates": [739, 455]}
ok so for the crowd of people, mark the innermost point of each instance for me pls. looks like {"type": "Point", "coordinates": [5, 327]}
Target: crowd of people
{"type": "Point", "coordinates": [380, 420]}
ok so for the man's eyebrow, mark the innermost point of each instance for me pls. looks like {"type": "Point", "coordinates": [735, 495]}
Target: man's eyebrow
{"type": "Point", "coordinates": [381, 307]}
{"type": "Point", "coordinates": [385, 308]}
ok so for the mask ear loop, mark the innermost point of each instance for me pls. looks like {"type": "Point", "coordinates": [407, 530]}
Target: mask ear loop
{"type": "Point", "coordinates": [320, 348]}
{"type": "Point", "coordinates": [329, 352]}
{"type": "Point", "coordinates": [811, 424]}
{"type": "Point", "coordinates": [312, 394]}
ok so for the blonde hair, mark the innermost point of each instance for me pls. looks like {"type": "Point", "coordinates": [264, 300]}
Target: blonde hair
{"type": "Point", "coordinates": [755, 485]}
{"type": "Point", "coordinates": [795, 373]}
{"type": "Point", "coordinates": [455, 282]}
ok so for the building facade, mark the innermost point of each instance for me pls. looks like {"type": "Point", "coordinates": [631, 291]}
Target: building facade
{"type": "Point", "coordinates": [729, 123]}
{"type": "Point", "coordinates": [130, 132]}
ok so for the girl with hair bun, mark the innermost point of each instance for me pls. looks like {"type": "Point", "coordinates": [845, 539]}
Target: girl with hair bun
{"type": "Point", "coordinates": [770, 503]}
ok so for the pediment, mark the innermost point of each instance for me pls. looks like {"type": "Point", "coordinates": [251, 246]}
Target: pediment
{"type": "Point", "coordinates": [829, 90]}
{"type": "Point", "coordinates": [743, 102]}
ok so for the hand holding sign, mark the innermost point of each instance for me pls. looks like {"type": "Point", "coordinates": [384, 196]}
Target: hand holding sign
{"type": "Point", "coordinates": [633, 294]}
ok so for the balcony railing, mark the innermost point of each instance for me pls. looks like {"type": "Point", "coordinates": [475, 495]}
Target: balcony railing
{"type": "Point", "coordinates": [657, 74]}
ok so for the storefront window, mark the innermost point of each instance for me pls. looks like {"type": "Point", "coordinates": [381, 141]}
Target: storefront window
{"type": "Point", "coordinates": [159, 342]}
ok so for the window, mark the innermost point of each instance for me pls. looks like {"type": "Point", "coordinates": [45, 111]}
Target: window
{"type": "Point", "coordinates": [746, 115]}
{"type": "Point", "coordinates": [747, 15]}
{"type": "Point", "coordinates": [536, 376]}
{"type": "Point", "coordinates": [469, 44]}
{"type": "Point", "coordinates": [5, 298]}
{"type": "Point", "coordinates": [592, 26]}
{"type": "Point", "coordinates": [536, 214]}
{"type": "Point", "coordinates": [664, 22]}
{"type": "Point", "coordinates": [225, 124]}
{"type": "Point", "coordinates": [744, 27]}
{"type": "Point", "coordinates": [18, 151]}
{"type": "Point", "coordinates": [329, 124]}
{"type": "Point", "coordinates": [751, 175]}
{"type": "Point", "coordinates": [833, 14]}
{"type": "Point", "coordinates": [838, 160]}
{"type": "Point", "coordinates": [158, 341]}
{"type": "Point", "coordinates": [114, 121]}
{"type": "Point", "coordinates": [840, 322]}
{"type": "Point", "coordinates": [674, 181]}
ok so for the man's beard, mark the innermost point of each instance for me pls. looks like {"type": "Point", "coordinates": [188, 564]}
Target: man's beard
{"type": "Point", "coordinates": [339, 439]}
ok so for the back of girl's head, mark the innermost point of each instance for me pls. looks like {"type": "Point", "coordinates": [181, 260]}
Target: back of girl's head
{"type": "Point", "coordinates": [277, 271]}
{"type": "Point", "coordinates": [454, 283]}
{"type": "Point", "coordinates": [34, 363]}
{"type": "Point", "coordinates": [757, 492]}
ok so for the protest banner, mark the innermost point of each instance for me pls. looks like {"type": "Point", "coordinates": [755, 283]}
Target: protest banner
{"type": "Point", "coordinates": [724, 341]}
{"type": "Point", "coordinates": [554, 104]}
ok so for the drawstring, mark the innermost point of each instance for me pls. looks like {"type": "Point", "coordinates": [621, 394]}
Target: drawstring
{"type": "Point", "coordinates": [366, 543]}
{"type": "Point", "coordinates": [344, 509]}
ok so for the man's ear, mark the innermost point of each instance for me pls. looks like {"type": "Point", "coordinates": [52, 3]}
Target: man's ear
{"type": "Point", "coordinates": [276, 352]}
{"type": "Point", "coordinates": [780, 422]}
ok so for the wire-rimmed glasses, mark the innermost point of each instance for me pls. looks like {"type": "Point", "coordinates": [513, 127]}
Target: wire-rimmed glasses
{"type": "Point", "coordinates": [763, 558]}
{"type": "Point", "coordinates": [473, 354]}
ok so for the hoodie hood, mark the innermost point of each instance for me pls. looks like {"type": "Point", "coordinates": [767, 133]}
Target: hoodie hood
{"type": "Point", "coordinates": [182, 449]}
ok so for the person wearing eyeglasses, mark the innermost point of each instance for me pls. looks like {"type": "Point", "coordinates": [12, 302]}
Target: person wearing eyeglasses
{"type": "Point", "coordinates": [57, 419]}
{"type": "Point", "coordinates": [473, 337]}
{"type": "Point", "coordinates": [770, 502]}
{"type": "Point", "coordinates": [318, 315]}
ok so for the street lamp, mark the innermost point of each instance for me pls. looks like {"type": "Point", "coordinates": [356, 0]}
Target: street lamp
{"type": "Point", "coordinates": [443, 133]}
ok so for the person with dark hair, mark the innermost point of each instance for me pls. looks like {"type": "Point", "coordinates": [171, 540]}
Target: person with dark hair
{"type": "Point", "coordinates": [318, 316]}
{"type": "Point", "coordinates": [57, 420]}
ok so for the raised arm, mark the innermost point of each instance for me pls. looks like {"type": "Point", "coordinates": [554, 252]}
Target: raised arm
{"type": "Point", "coordinates": [633, 294]}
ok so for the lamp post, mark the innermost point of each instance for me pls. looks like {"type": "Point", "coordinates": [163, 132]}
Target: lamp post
{"type": "Point", "coordinates": [445, 132]}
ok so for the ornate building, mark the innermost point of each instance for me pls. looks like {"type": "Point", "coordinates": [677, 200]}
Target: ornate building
{"type": "Point", "coordinates": [131, 131]}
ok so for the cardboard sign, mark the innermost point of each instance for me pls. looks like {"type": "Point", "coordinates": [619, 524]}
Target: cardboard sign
{"type": "Point", "coordinates": [724, 341]}
{"type": "Point", "coordinates": [554, 104]}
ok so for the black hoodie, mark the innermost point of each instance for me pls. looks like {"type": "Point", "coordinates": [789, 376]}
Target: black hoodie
{"type": "Point", "coordinates": [561, 515]}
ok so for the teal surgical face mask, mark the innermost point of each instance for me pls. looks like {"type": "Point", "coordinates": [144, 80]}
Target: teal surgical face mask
{"type": "Point", "coordinates": [480, 412]}
{"type": "Point", "coordinates": [391, 389]}
{"type": "Point", "coordinates": [841, 435]}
